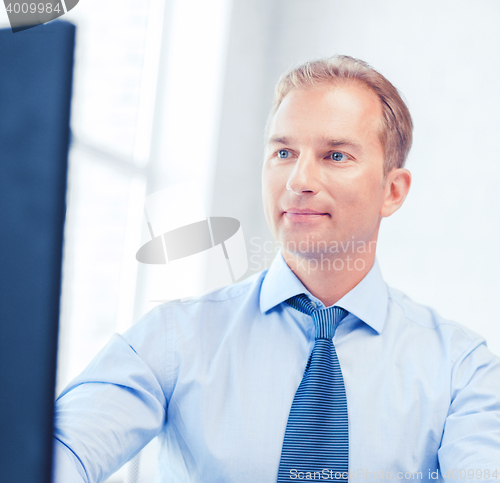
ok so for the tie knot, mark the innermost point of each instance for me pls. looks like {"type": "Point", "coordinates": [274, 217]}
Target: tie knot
{"type": "Point", "coordinates": [325, 320]}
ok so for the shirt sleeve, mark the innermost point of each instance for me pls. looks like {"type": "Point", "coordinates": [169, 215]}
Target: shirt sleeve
{"type": "Point", "coordinates": [471, 438]}
{"type": "Point", "coordinates": [67, 467]}
{"type": "Point", "coordinates": [114, 408]}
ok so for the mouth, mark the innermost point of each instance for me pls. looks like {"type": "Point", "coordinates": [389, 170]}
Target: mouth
{"type": "Point", "coordinates": [296, 214]}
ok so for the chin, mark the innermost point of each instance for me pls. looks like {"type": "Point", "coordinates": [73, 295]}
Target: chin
{"type": "Point", "coordinates": [308, 245]}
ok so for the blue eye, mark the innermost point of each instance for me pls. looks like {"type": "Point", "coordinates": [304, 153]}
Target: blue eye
{"type": "Point", "coordinates": [336, 156]}
{"type": "Point", "coordinates": [283, 153]}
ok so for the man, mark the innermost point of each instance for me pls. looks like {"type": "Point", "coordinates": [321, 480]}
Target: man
{"type": "Point", "coordinates": [314, 369]}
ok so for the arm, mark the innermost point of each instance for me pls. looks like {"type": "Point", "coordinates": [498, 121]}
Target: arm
{"type": "Point", "coordinates": [67, 466]}
{"type": "Point", "coordinates": [471, 438]}
{"type": "Point", "coordinates": [114, 408]}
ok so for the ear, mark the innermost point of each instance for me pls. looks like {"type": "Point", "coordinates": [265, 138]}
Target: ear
{"type": "Point", "coordinates": [397, 185]}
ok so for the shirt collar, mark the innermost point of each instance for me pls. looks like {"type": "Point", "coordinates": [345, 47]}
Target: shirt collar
{"type": "Point", "coordinates": [367, 301]}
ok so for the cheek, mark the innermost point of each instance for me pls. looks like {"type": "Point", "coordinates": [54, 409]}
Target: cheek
{"type": "Point", "coordinates": [268, 197]}
{"type": "Point", "coordinates": [271, 187]}
{"type": "Point", "coordinates": [360, 196]}
{"type": "Point", "coordinates": [265, 186]}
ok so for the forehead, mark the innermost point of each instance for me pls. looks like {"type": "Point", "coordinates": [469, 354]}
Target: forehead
{"type": "Point", "coordinates": [347, 110]}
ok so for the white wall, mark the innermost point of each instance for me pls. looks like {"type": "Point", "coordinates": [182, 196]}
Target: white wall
{"type": "Point", "coordinates": [441, 247]}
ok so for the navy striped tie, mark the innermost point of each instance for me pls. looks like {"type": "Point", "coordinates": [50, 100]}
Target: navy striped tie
{"type": "Point", "coordinates": [317, 434]}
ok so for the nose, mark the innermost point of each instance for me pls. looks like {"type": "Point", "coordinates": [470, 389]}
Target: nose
{"type": "Point", "coordinates": [305, 177]}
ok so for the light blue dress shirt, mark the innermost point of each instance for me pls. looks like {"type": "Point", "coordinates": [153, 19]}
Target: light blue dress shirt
{"type": "Point", "coordinates": [214, 378]}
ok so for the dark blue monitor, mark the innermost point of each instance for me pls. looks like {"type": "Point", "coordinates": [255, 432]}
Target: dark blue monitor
{"type": "Point", "coordinates": [35, 92]}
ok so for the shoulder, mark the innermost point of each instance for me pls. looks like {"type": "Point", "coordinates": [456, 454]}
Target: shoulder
{"type": "Point", "coordinates": [172, 324]}
{"type": "Point", "coordinates": [426, 321]}
{"type": "Point", "coordinates": [242, 293]}
{"type": "Point", "coordinates": [235, 293]}
{"type": "Point", "coordinates": [230, 292]}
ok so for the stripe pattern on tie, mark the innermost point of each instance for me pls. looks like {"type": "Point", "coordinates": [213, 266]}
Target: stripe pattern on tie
{"type": "Point", "coordinates": [317, 434]}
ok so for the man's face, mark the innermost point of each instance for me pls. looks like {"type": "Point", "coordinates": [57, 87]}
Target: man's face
{"type": "Point", "coordinates": [324, 145]}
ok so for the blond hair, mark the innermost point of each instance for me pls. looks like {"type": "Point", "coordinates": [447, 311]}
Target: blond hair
{"type": "Point", "coordinates": [397, 126]}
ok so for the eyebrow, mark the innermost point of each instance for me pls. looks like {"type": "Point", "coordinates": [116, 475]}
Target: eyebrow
{"type": "Point", "coordinates": [332, 143]}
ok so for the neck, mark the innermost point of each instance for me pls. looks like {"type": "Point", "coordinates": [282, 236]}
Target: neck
{"type": "Point", "coordinates": [330, 278]}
